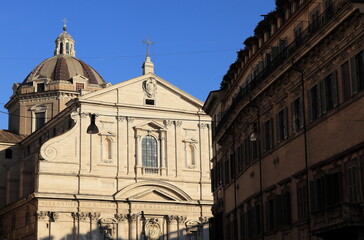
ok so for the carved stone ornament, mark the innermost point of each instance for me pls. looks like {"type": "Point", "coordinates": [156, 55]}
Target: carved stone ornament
{"type": "Point", "coordinates": [153, 229]}
{"type": "Point", "coordinates": [178, 123]}
{"type": "Point", "coordinates": [41, 215]}
{"type": "Point", "coordinates": [133, 217]}
{"type": "Point", "coordinates": [172, 218]}
{"type": "Point", "coordinates": [53, 216]}
{"type": "Point", "coordinates": [203, 125]}
{"type": "Point", "coordinates": [203, 219]}
{"type": "Point", "coordinates": [94, 215]}
{"type": "Point", "coordinates": [168, 123]}
{"type": "Point", "coordinates": [182, 219]}
{"type": "Point", "coordinates": [120, 118]}
{"type": "Point", "coordinates": [121, 217]}
{"type": "Point", "coordinates": [82, 216]}
{"type": "Point", "coordinates": [150, 87]}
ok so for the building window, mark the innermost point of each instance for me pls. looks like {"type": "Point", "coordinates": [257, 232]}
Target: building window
{"type": "Point", "coordinates": [281, 125]}
{"type": "Point", "coordinates": [270, 214]}
{"type": "Point", "coordinates": [67, 48]}
{"type": "Point", "coordinates": [345, 80]}
{"type": "Point", "coordinates": [328, 92]}
{"type": "Point", "coordinates": [61, 48]}
{"type": "Point", "coordinates": [352, 180]}
{"type": "Point", "coordinates": [314, 106]}
{"type": "Point", "coordinates": [149, 102]}
{"type": "Point", "coordinates": [232, 165]}
{"type": "Point", "coordinates": [40, 87]}
{"type": "Point", "coordinates": [8, 153]}
{"type": "Point", "coordinates": [357, 72]}
{"type": "Point", "coordinates": [226, 172]}
{"type": "Point", "coordinates": [302, 201]}
{"type": "Point", "coordinates": [298, 34]}
{"type": "Point", "coordinates": [268, 135]}
{"type": "Point", "coordinates": [297, 114]}
{"type": "Point", "coordinates": [325, 191]}
{"type": "Point", "coordinates": [149, 152]}
{"type": "Point", "coordinates": [80, 86]}
{"type": "Point", "coordinates": [39, 120]}
{"type": "Point", "coordinates": [315, 19]}
{"type": "Point", "coordinates": [323, 96]}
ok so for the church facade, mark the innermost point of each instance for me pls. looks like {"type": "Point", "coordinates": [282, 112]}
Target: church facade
{"type": "Point", "coordinates": [128, 161]}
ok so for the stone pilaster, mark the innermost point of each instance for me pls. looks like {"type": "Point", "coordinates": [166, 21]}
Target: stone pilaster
{"type": "Point", "coordinates": [172, 227]}
{"type": "Point", "coordinates": [123, 227]}
{"type": "Point", "coordinates": [133, 226]}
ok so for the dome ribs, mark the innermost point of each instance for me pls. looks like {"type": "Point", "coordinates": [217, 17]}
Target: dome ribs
{"type": "Point", "coordinates": [61, 70]}
{"type": "Point", "coordinates": [87, 71]}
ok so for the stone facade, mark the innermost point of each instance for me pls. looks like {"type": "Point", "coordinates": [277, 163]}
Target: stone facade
{"type": "Point", "coordinates": [288, 135]}
{"type": "Point", "coordinates": [144, 174]}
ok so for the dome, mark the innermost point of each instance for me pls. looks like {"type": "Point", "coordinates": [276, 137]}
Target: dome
{"type": "Point", "coordinates": [64, 67]}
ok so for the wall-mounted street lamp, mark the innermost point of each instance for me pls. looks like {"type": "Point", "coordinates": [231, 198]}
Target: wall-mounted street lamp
{"type": "Point", "coordinates": [92, 128]}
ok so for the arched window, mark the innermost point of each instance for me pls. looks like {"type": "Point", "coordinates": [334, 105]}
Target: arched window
{"type": "Point", "coordinates": [67, 48]}
{"type": "Point", "coordinates": [149, 152]}
{"type": "Point", "coordinates": [61, 48]}
{"type": "Point", "coordinates": [107, 150]}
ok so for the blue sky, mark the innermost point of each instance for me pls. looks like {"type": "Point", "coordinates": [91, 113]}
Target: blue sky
{"type": "Point", "coordinates": [195, 40]}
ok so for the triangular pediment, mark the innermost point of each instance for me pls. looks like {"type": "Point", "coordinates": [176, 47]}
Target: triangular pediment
{"type": "Point", "coordinates": [153, 194]}
{"type": "Point", "coordinates": [136, 92]}
{"type": "Point", "coordinates": [150, 125]}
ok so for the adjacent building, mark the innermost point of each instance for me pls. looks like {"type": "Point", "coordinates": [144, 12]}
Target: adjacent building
{"type": "Point", "coordinates": [288, 132]}
{"type": "Point", "coordinates": [86, 160]}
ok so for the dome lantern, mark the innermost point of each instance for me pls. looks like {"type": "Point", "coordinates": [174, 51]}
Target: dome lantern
{"type": "Point", "coordinates": [65, 43]}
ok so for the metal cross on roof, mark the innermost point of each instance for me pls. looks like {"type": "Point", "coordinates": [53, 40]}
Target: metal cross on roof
{"type": "Point", "coordinates": [65, 24]}
{"type": "Point", "coordinates": [148, 42]}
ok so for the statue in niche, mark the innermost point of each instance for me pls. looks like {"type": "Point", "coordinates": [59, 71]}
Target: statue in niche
{"type": "Point", "coordinates": [150, 86]}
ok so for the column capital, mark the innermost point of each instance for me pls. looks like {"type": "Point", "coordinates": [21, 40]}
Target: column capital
{"type": "Point", "coordinates": [121, 217]}
{"type": "Point", "coordinates": [172, 218]}
{"type": "Point", "coordinates": [82, 216]}
{"type": "Point", "coordinates": [133, 217]}
{"type": "Point", "coordinates": [94, 215]}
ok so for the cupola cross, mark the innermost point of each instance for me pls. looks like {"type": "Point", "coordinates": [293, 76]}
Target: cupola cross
{"type": "Point", "coordinates": [148, 42]}
{"type": "Point", "coordinates": [65, 24]}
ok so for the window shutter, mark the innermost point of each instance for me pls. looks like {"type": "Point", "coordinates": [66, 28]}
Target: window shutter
{"type": "Point", "coordinates": [334, 89]}
{"type": "Point", "coordinates": [275, 52]}
{"type": "Point", "coordinates": [293, 118]}
{"type": "Point", "coordinates": [309, 105]}
{"type": "Point", "coordinates": [285, 124]}
{"type": "Point", "coordinates": [300, 107]}
{"type": "Point", "coordinates": [354, 78]}
{"type": "Point", "coordinates": [313, 195]}
{"type": "Point", "coordinates": [278, 137]}
{"type": "Point", "coordinates": [318, 93]}
{"type": "Point", "coordinates": [323, 95]}
{"type": "Point", "coordinates": [271, 132]}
